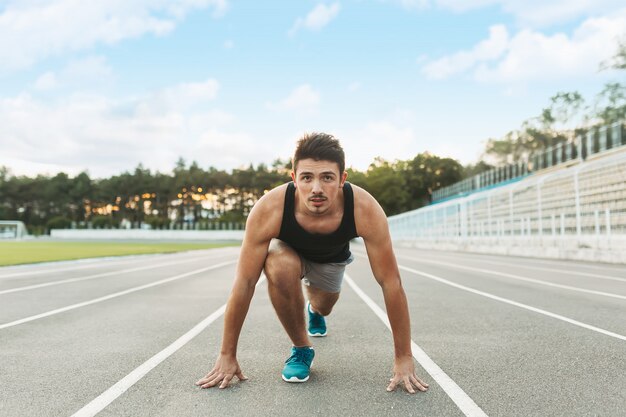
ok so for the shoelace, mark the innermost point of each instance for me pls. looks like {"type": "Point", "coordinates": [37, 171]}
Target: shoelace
{"type": "Point", "coordinates": [299, 356]}
{"type": "Point", "coordinates": [317, 320]}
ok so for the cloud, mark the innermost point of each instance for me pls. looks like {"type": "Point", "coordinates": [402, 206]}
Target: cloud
{"type": "Point", "coordinates": [410, 4]}
{"type": "Point", "coordinates": [34, 30]}
{"type": "Point", "coordinates": [530, 55]}
{"type": "Point", "coordinates": [89, 73]}
{"type": "Point", "coordinates": [303, 100]}
{"type": "Point", "coordinates": [46, 81]}
{"type": "Point", "coordinates": [320, 16]}
{"type": "Point", "coordinates": [383, 137]}
{"type": "Point", "coordinates": [533, 13]}
{"type": "Point", "coordinates": [106, 136]}
{"type": "Point", "coordinates": [487, 50]}
{"type": "Point", "coordinates": [178, 98]}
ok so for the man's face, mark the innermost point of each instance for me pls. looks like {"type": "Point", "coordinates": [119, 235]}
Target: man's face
{"type": "Point", "coordinates": [319, 183]}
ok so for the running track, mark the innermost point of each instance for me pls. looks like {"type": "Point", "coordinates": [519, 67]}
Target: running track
{"type": "Point", "coordinates": [496, 336]}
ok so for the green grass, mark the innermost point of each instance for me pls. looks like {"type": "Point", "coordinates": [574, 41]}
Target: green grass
{"type": "Point", "coordinates": [26, 252]}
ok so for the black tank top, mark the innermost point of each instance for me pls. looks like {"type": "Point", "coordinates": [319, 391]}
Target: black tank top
{"type": "Point", "coordinates": [320, 248]}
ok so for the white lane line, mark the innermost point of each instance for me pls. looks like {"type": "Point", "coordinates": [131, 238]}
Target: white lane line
{"type": "Point", "coordinates": [456, 394]}
{"type": "Point", "coordinates": [563, 271]}
{"type": "Point", "coordinates": [517, 277]}
{"type": "Point", "coordinates": [104, 274]}
{"type": "Point", "coordinates": [111, 394]}
{"type": "Point", "coordinates": [541, 261]}
{"type": "Point", "coordinates": [110, 296]}
{"type": "Point", "coordinates": [515, 303]}
{"type": "Point", "coordinates": [71, 268]}
{"type": "Point", "coordinates": [95, 263]}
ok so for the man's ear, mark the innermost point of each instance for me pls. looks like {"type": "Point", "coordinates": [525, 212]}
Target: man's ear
{"type": "Point", "coordinates": [344, 177]}
{"type": "Point", "coordinates": [293, 177]}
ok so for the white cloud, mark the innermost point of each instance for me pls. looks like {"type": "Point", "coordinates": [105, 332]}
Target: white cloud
{"type": "Point", "coordinates": [107, 136]}
{"type": "Point", "coordinates": [34, 30]}
{"type": "Point", "coordinates": [534, 13]}
{"type": "Point", "coordinates": [303, 100]}
{"type": "Point", "coordinates": [89, 73]}
{"type": "Point", "coordinates": [91, 67]}
{"type": "Point", "coordinates": [229, 44]}
{"type": "Point", "coordinates": [531, 55]}
{"type": "Point", "coordinates": [410, 4]}
{"type": "Point", "coordinates": [378, 138]}
{"type": "Point", "coordinates": [486, 50]}
{"type": "Point", "coordinates": [181, 97]}
{"type": "Point", "coordinates": [320, 16]}
{"type": "Point", "coordinates": [47, 81]}
{"type": "Point", "coordinates": [233, 149]}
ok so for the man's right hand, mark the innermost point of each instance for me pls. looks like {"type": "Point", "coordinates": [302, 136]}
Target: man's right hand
{"type": "Point", "coordinates": [226, 367]}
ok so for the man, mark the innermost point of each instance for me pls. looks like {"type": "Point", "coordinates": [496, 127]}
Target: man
{"type": "Point", "coordinates": [301, 231]}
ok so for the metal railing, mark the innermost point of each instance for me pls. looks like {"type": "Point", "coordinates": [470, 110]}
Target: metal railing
{"type": "Point", "coordinates": [594, 141]}
{"type": "Point", "coordinates": [588, 199]}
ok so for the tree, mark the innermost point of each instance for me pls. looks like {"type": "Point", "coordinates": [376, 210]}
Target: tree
{"type": "Point", "coordinates": [611, 103]}
{"type": "Point", "coordinates": [552, 127]}
{"type": "Point", "coordinates": [357, 177]}
{"type": "Point", "coordinates": [426, 173]}
{"type": "Point", "coordinates": [387, 184]}
{"type": "Point", "coordinates": [618, 61]}
{"type": "Point", "coordinates": [470, 170]}
{"type": "Point", "coordinates": [566, 108]}
{"type": "Point", "coordinates": [81, 194]}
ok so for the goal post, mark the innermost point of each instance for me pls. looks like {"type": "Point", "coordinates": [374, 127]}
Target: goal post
{"type": "Point", "coordinates": [12, 229]}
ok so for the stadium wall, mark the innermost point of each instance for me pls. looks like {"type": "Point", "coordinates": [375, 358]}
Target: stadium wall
{"type": "Point", "coordinates": [574, 211]}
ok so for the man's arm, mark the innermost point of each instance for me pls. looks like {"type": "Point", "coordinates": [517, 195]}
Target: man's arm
{"type": "Point", "coordinates": [260, 229]}
{"type": "Point", "coordinates": [375, 233]}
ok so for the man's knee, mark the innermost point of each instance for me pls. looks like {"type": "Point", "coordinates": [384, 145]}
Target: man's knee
{"type": "Point", "coordinates": [324, 310]}
{"type": "Point", "coordinates": [322, 302]}
{"type": "Point", "coordinates": [282, 267]}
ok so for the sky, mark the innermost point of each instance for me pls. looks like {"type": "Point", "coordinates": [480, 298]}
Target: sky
{"type": "Point", "coordinates": [104, 85]}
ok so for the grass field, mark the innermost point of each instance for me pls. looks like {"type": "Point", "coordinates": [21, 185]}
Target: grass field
{"type": "Point", "coordinates": [26, 252]}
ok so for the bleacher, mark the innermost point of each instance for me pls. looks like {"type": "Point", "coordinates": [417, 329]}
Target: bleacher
{"type": "Point", "coordinates": [576, 205]}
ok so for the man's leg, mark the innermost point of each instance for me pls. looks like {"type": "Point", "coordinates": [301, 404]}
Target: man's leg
{"type": "Point", "coordinates": [283, 269]}
{"type": "Point", "coordinates": [322, 302]}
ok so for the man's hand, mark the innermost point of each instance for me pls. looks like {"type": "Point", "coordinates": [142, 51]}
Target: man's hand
{"type": "Point", "coordinates": [404, 371]}
{"type": "Point", "coordinates": [226, 367]}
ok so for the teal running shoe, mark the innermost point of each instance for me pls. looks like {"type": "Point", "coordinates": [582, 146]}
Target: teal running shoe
{"type": "Point", "coordinates": [317, 323]}
{"type": "Point", "coordinates": [298, 366]}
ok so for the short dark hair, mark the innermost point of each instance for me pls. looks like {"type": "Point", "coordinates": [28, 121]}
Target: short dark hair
{"type": "Point", "coordinates": [319, 147]}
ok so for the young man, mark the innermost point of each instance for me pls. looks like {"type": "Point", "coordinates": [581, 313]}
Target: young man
{"type": "Point", "coordinates": [301, 231]}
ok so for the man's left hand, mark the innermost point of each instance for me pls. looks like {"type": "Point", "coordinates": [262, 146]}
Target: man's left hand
{"type": "Point", "coordinates": [404, 372]}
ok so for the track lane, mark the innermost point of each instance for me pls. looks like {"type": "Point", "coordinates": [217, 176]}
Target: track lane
{"type": "Point", "coordinates": [21, 305]}
{"type": "Point", "coordinates": [35, 274]}
{"type": "Point", "coordinates": [515, 261]}
{"type": "Point", "coordinates": [595, 310]}
{"type": "Point", "coordinates": [349, 375]}
{"type": "Point", "coordinates": [563, 281]}
{"type": "Point", "coordinates": [510, 361]}
{"type": "Point", "coordinates": [60, 363]}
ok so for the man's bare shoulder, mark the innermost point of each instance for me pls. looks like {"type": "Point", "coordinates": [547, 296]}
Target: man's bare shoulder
{"type": "Point", "coordinates": [267, 214]}
{"type": "Point", "coordinates": [367, 212]}
{"type": "Point", "coordinates": [364, 202]}
{"type": "Point", "coordinates": [273, 198]}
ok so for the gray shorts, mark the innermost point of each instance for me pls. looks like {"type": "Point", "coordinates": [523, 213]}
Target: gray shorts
{"type": "Point", "coordinates": [326, 277]}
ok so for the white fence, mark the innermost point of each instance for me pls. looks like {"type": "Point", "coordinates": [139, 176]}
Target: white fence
{"type": "Point", "coordinates": [576, 212]}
